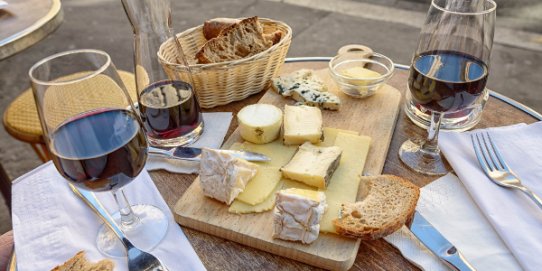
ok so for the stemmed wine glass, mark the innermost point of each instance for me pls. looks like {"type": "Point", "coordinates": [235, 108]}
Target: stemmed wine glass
{"type": "Point", "coordinates": [95, 137]}
{"type": "Point", "coordinates": [449, 70]}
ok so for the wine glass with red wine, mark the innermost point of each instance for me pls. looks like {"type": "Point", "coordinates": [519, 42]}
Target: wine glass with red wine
{"type": "Point", "coordinates": [95, 137]}
{"type": "Point", "coordinates": [449, 71]}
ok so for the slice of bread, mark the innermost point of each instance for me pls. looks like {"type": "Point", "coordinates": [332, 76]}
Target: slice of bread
{"type": "Point", "coordinates": [79, 262]}
{"type": "Point", "coordinates": [237, 41]}
{"type": "Point", "coordinates": [389, 203]}
{"type": "Point", "coordinates": [213, 27]}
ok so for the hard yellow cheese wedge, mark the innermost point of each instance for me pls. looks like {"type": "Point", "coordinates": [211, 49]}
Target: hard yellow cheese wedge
{"type": "Point", "coordinates": [261, 186]}
{"type": "Point", "coordinates": [239, 207]}
{"type": "Point", "coordinates": [343, 186]}
{"type": "Point", "coordinates": [279, 153]}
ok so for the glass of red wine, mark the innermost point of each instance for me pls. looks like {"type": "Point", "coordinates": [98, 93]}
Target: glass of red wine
{"type": "Point", "coordinates": [96, 138]}
{"type": "Point", "coordinates": [449, 71]}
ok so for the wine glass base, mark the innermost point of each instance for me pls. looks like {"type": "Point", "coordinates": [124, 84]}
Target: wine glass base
{"type": "Point", "coordinates": [145, 234]}
{"type": "Point", "coordinates": [412, 154]}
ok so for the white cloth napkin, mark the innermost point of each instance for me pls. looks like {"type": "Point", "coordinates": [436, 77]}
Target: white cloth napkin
{"type": "Point", "coordinates": [449, 208]}
{"type": "Point", "coordinates": [51, 224]}
{"type": "Point", "coordinates": [514, 216]}
{"type": "Point", "coordinates": [214, 131]}
{"type": "Point", "coordinates": [3, 4]}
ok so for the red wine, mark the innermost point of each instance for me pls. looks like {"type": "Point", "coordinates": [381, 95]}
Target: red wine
{"type": "Point", "coordinates": [99, 150]}
{"type": "Point", "coordinates": [447, 81]}
{"type": "Point", "coordinates": [169, 109]}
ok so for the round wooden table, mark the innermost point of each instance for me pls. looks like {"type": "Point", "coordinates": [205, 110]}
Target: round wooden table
{"type": "Point", "coordinates": [220, 254]}
{"type": "Point", "coordinates": [25, 22]}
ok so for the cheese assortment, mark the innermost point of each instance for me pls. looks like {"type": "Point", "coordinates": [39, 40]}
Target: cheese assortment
{"type": "Point", "coordinates": [297, 214]}
{"type": "Point", "coordinates": [306, 88]}
{"type": "Point", "coordinates": [302, 123]}
{"type": "Point", "coordinates": [223, 176]}
{"type": "Point", "coordinates": [312, 169]}
{"type": "Point", "coordinates": [260, 123]}
{"type": "Point", "coordinates": [313, 165]}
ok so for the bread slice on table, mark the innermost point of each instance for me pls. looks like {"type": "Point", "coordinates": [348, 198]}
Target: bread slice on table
{"type": "Point", "coordinates": [213, 27]}
{"type": "Point", "coordinates": [237, 41]}
{"type": "Point", "coordinates": [389, 203]}
{"type": "Point", "coordinates": [79, 262]}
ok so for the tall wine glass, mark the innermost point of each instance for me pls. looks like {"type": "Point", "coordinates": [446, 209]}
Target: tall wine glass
{"type": "Point", "coordinates": [95, 137]}
{"type": "Point", "coordinates": [449, 70]}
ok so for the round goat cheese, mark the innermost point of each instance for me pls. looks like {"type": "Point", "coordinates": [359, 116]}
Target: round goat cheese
{"type": "Point", "coordinates": [260, 123]}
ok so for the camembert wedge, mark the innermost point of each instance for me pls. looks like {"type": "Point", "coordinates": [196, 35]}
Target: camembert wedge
{"type": "Point", "coordinates": [302, 123]}
{"type": "Point", "coordinates": [297, 214]}
{"type": "Point", "coordinates": [313, 165]}
{"type": "Point", "coordinates": [223, 176]}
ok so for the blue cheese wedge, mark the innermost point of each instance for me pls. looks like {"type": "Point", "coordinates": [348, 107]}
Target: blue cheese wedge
{"type": "Point", "coordinates": [306, 88]}
{"type": "Point", "coordinates": [297, 214]}
{"type": "Point", "coordinates": [302, 123]}
{"type": "Point", "coordinates": [223, 176]}
{"type": "Point", "coordinates": [313, 165]}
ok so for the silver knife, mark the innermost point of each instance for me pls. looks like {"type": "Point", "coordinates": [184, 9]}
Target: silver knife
{"type": "Point", "coordinates": [438, 244]}
{"type": "Point", "coordinates": [193, 154]}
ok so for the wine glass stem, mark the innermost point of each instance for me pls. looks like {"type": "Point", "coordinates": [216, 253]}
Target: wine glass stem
{"type": "Point", "coordinates": [430, 146]}
{"type": "Point", "coordinates": [127, 216]}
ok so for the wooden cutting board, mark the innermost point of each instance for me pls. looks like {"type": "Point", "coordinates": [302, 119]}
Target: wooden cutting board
{"type": "Point", "coordinates": [374, 116]}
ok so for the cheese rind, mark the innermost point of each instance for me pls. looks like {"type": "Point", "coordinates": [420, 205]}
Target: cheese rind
{"type": "Point", "coordinates": [261, 186]}
{"type": "Point", "coordinates": [301, 124]}
{"type": "Point", "coordinates": [313, 165]}
{"type": "Point", "coordinates": [297, 214]}
{"type": "Point", "coordinates": [223, 176]}
{"type": "Point", "coordinates": [260, 123]}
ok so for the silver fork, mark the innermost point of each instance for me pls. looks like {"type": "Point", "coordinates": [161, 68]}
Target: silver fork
{"type": "Point", "coordinates": [495, 167]}
{"type": "Point", "coordinates": [137, 259]}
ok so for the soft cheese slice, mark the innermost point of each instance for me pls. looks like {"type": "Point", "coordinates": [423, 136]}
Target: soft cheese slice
{"type": "Point", "coordinates": [301, 124]}
{"type": "Point", "coordinates": [223, 176]}
{"type": "Point", "coordinates": [261, 186]}
{"type": "Point", "coordinates": [260, 123]}
{"type": "Point", "coordinates": [313, 165]}
{"type": "Point", "coordinates": [279, 153]}
{"type": "Point", "coordinates": [239, 207]}
{"type": "Point", "coordinates": [297, 214]}
{"type": "Point", "coordinates": [343, 187]}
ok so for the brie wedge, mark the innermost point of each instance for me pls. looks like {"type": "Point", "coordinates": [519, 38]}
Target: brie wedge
{"type": "Point", "coordinates": [223, 176]}
{"type": "Point", "coordinates": [297, 214]}
{"type": "Point", "coordinates": [313, 165]}
{"type": "Point", "coordinates": [260, 123]}
{"type": "Point", "coordinates": [302, 123]}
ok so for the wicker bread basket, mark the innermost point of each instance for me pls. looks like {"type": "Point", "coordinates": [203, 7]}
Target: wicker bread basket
{"type": "Point", "coordinates": [225, 82]}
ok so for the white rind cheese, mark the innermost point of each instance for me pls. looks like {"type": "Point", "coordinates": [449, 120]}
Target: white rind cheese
{"type": "Point", "coordinates": [306, 88]}
{"type": "Point", "coordinates": [260, 123]}
{"type": "Point", "coordinates": [297, 214]}
{"type": "Point", "coordinates": [301, 124]}
{"type": "Point", "coordinates": [313, 165]}
{"type": "Point", "coordinates": [223, 176]}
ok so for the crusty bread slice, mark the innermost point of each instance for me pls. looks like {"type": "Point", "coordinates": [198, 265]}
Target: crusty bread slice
{"type": "Point", "coordinates": [79, 262]}
{"type": "Point", "coordinates": [237, 41]}
{"type": "Point", "coordinates": [213, 27]}
{"type": "Point", "coordinates": [389, 203]}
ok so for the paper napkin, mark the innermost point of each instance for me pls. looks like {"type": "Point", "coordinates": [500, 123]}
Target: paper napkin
{"type": "Point", "coordinates": [214, 131]}
{"type": "Point", "coordinates": [51, 224]}
{"type": "Point", "coordinates": [449, 208]}
{"type": "Point", "coordinates": [513, 215]}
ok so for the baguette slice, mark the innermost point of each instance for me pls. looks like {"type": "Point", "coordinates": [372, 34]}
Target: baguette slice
{"type": "Point", "coordinates": [79, 262]}
{"type": "Point", "coordinates": [237, 41]}
{"type": "Point", "coordinates": [213, 27]}
{"type": "Point", "coordinates": [389, 203]}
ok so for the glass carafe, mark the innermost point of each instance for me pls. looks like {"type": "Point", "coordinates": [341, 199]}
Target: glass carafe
{"type": "Point", "coordinates": [169, 107]}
